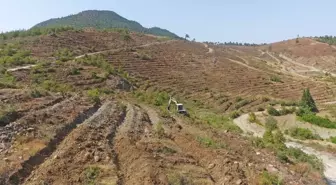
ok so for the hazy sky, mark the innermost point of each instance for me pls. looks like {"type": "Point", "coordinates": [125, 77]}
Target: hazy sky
{"type": "Point", "coordinates": [212, 20]}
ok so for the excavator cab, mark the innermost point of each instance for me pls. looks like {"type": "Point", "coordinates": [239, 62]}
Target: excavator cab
{"type": "Point", "coordinates": [179, 106]}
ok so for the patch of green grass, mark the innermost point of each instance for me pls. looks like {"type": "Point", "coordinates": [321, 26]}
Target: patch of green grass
{"type": "Point", "coordinates": [210, 143]}
{"type": "Point", "coordinates": [333, 140]}
{"type": "Point", "coordinates": [317, 120]}
{"type": "Point", "coordinates": [302, 133]}
{"type": "Point", "coordinates": [54, 86]}
{"type": "Point", "coordinates": [218, 121]}
{"type": "Point", "coordinates": [91, 174]}
{"type": "Point", "coordinates": [267, 178]}
{"type": "Point", "coordinates": [159, 130]}
{"type": "Point", "coordinates": [94, 95]}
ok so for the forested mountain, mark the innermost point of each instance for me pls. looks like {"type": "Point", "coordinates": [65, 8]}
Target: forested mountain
{"type": "Point", "coordinates": [103, 20]}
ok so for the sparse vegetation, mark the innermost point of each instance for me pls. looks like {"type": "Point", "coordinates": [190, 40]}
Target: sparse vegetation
{"type": "Point", "coordinates": [208, 142]}
{"type": "Point", "coordinates": [302, 133]}
{"type": "Point", "coordinates": [271, 123]}
{"type": "Point", "coordinates": [218, 121]}
{"type": "Point", "coordinates": [94, 95]}
{"type": "Point", "coordinates": [333, 140]}
{"type": "Point", "coordinates": [276, 79]}
{"type": "Point", "coordinates": [252, 117]}
{"type": "Point", "coordinates": [267, 178]}
{"type": "Point", "coordinates": [283, 111]}
{"type": "Point", "coordinates": [13, 55]}
{"type": "Point", "coordinates": [272, 111]}
{"type": "Point", "coordinates": [91, 174]}
{"type": "Point", "coordinates": [317, 120]}
{"type": "Point", "coordinates": [159, 130]}
{"type": "Point", "coordinates": [64, 55]}
{"type": "Point", "coordinates": [234, 114]}
{"type": "Point", "coordinates": [274, 139]}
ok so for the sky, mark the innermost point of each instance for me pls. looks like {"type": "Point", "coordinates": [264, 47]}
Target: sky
{"type": "Point", "coordinates": [253, 21]}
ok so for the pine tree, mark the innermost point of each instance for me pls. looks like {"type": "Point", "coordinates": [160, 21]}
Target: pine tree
{"type": "Point", "coordinates": [307, 101]}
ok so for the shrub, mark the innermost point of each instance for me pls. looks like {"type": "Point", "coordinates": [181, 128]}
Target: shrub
{"type": "Point", "coordinates": [299, 156]}
{"type": "Point", "coordinates": [302, 133]}
{"type": "Point", "coordinates": [271, 123]}
{"type": "Point", "coordinates": [234, 114]}
{"type": "Point", "coordinates": [252, 117]}
{"type": "Point", "coordinates": [161, 99]}
{"type": "Point", "coordinates": [64, 55]}
{"type": "Point", "coordinates": [267, 178]}
{"type": "Point", "coordinates": [238, 99]}
{"type": "Point", "coordinates": [275, 79]}
{"type": "Point", "coordinates": [94, 95]}
{"type": "Point", "coordinates": [145, 57]}
{"type": "Point", "coordinates": [74, 71]}
{"type": "Point", "coordinates": [91, 174]}
{"type": "Point", "coordinates": [159, 130]}
{"type": "Point", "coordinates": [319, 121]}
{"type": "Point", "coordinates": [285, 111]}
{"type": "Point", "coordinates": [272, 111]}
{"type": "Point", "coordinates": [242, 103]}
{"type": "Point", "coordinates": [333, 140]}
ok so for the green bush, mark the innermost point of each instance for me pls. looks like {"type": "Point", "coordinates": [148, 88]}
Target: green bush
{"type": "Point", "coordinates": [271, 123]}
{"type": "Point", "coordinates": [333, 140]}
{"type": "Point", "coordinates": [302, 133]}
{"type": "Point", "coordinates": [234, 114]}
{"type": "Point", "coordinates": [242, 103]}
{"type": "Point", "coordinates": [252, 117]}
{"type": "Point", "coordinates": [269, 179]}
{"type": "Point", "coordinates": [94, 95]}
{"type": "Point", "coordinates": [299, 156]}
{"type": "Point", "coordinates": [285, 111]}
{"type": "Point", "coordinates": [272, 111]}
{"type": "Point", "coordinates": [162, 98]}
{"type": "Point", "coordinates": [64, 55]}
{"type": "Point", "coordinates": [91, 174]}
{"type": "Point", "coordinates": [319, 121]}
{"type": "Point", "coordinates": [275, 79]}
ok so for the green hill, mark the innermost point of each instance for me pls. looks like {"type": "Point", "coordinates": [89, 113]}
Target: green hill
{"type": "Point", "coordinates": [103, 20]}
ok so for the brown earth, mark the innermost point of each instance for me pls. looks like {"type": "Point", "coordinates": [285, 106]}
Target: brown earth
{"type": "Point", "coordinates": [63, 137]}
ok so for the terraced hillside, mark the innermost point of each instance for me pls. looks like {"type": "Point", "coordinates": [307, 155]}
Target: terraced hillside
{"type": "Point", "coordinates": [186, 69]}
{"type": "Point", "coordinates": [69, 115]}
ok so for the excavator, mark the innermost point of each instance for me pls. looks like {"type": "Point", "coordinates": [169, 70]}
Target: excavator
{"type": "Point", "coordinates": [179, 106]}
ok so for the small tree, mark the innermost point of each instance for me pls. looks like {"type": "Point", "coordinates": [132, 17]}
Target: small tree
{"type": "Point", "coordinates": [307, 101]}
{"type": "Point", "coordinates": [297, 39]}
{"type": "Point", "coordinates": [186, 37]}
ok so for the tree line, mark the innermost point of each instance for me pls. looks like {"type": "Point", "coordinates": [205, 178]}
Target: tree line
{"type": "Point", "coordinates": [33, 32]}
{"type": "Point", "coordinates": [234, 44]}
